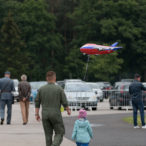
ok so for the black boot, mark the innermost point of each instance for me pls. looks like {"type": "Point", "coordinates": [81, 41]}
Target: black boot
{"type": "Point", "coordinates": [2, 121]}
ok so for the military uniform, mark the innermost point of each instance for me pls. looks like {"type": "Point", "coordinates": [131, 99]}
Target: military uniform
{"type": "Point", "coordinates": [6, 87]}
{"type": "Point", "coordinates": [51, 97]}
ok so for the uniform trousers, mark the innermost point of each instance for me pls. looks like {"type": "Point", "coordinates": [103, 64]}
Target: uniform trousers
{"type": "Point", "coordinates": [3, 104]}
{"type": "Point", "coordinates": [52, 121]}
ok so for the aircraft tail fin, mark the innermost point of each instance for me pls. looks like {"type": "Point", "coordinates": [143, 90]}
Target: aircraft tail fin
{"type": "Point", "coordinates": [114, 44]}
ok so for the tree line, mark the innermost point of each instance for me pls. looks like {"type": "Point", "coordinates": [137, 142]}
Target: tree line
{"type": "Point", "coordinates": [41, 35]}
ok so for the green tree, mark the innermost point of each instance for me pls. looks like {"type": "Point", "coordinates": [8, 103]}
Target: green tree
{"type": "Point", "coordinates": [39, 33]}
{"type": "Point", "coordinates": [86, 30]}
{"type": "Point", "coordinates": [43, 42]}
{"type": "Point", "coordinates": [11, 56]}
{"type": "Point", "coordinates": [104, 67]}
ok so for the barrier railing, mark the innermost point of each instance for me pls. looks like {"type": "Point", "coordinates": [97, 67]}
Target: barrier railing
{"type": "Point", "coordinates": [121, 99]}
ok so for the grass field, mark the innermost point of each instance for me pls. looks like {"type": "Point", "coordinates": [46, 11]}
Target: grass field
{"type": "Point", "coordinates": [130, 120]}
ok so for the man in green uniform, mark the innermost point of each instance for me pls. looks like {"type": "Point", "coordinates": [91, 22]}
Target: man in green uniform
{"type": "Point", "coordinates": [51, 97]}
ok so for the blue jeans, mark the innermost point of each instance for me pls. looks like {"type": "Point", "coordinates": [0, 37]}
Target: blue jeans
{"type": "Point", "coordinates": [7, 103]}
{"type": "Point", "coordinates": [82, 144]}
{"type": "Point", "coordinates": [138, 105]}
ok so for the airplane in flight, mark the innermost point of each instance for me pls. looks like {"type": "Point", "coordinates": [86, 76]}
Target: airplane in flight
{"type": "Point", "coordinates": [94, 49]}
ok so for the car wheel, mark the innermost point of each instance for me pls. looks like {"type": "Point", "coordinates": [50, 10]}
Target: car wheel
{"type": "Point", "coordinates": [94, 108]}
{"type": "Point", "coordinates": [111, 107]}
{"type": "Point", "coordinates": [119, 108]}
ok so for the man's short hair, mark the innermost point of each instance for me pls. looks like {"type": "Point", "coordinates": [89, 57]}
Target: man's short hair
{"type": "Point", "coordinates": [23, 77]}
{"type": "Point", "coordinates": [50, 75]}
{"type": "Point", "coordinates": [137, 76]}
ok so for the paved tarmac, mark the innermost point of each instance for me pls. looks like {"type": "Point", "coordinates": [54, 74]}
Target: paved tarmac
{"type": "Point", "coordinates": [17, 134]}
{"type": "Point", "coordinates": [111, 130]}
{"type": "Point", "coordinates": [106, 123]}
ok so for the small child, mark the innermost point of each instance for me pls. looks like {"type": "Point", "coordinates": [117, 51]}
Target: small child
{"type": "Point", "coordinates": [82, 132]}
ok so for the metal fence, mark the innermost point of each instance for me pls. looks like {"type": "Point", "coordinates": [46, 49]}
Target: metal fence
{"type": "Point", "coordinates": [113, 99]}
{"type": "Point", "coordinates": [121, 99]}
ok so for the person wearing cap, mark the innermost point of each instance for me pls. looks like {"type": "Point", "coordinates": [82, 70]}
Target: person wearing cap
{"type": "Point", "coordinates": [135, 90]}
{"type": "Point", "coordinates": [6, 88]}
{"type": "Point", "coordinates": [51, 97]}
{"type": "Point", "coordinates": [24, 90]}
{"type": "Point", "coordinates": [82, 132]}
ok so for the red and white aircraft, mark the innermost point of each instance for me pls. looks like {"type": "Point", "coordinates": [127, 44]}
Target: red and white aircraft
{"type": "Point", "coordinates": [94, 49]}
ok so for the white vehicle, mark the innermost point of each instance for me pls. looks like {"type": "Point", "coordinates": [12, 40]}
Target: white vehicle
{"type": "Point", "coordinates": [15, 93]}
{"type": "Point", "coordinates": [80, 95]}
{"type": "Point", "coordinates": [97, 90]}
{"type": "Point", "coordinates": [144, 83]}
{"type": "Point", "coordinates": [62, 83]}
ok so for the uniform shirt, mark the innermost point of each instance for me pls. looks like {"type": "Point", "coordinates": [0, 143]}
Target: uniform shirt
{"type": "Point", "coordinates": [51, 97]}
{"type": "Point", "coordinates": [135, 89]}
{"type": "Point", "coordinates": [6, 87]}
{"type": "Point", "coordinates": [24, 90]}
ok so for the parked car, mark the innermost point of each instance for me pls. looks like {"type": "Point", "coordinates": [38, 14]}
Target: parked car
{"type": "Point", "coordinates": [127, 80]}
{"type": "Point", "coordinates": [121, 96]}
{"type": "Point", "coordinates": [62, 83]}
{"type": "Point", "coordinates": [97, 90]}
{"type": "Point", "coordinates": [144, 95]}
{"type": "Point", "coordinates": [100, 85]}
{"type": "Point", "coordinates": [34, 88]}
{"type": "Point", "coordinates": [117, 84]}
{"type": "Point", "coordinates": [15, 93]}
{"type": "Point", "coordinates": [79, 95]}
{"type": "Point", "coordinates": [106, 87]}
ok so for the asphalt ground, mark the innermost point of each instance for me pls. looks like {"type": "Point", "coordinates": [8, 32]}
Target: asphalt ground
{"type": "Point", "coordinates": [110, 130]}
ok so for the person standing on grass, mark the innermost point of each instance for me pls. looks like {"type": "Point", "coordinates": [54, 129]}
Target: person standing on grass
{"type": "Point", "coordinates": [135, 90]}
{"type": "Point", "coordinates": [24, 90]}
{"type": "Point", "coordinates": [51, 97]}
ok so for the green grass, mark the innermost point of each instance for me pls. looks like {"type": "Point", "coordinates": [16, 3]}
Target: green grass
{"type": "Point", "coordinates": [130, 120]}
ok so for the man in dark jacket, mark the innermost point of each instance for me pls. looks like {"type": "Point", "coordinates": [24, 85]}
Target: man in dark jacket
{"type": "Point", "coordinates": [24, 90]}
{"type": "Point", "coordinates": [6, 87]}
{"type": "Point", "coordinates": [135, 90]}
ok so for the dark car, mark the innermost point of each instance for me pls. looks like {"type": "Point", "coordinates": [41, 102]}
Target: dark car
{"type": "Point", "coordinates": [121, 97]}
{"type": "Point", "coordinates": [106, 87]}
{"type": "Point", "coordinates": [144, 95]}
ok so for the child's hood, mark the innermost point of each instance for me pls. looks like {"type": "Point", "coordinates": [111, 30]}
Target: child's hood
{"type": "Point", "coordinates": [82, 123]}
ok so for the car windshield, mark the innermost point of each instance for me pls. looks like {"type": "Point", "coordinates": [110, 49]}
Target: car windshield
{"type": "Point", "coordinates": [77, 88]}
{"type": "Point", "coordinates": [107, 84]}
{"type": "Point", "coordinates": [37, 85]}
{"type": "Point", "coordinates": [93, 86]}
{"type": "Point", "coordinates": [100, 85]}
